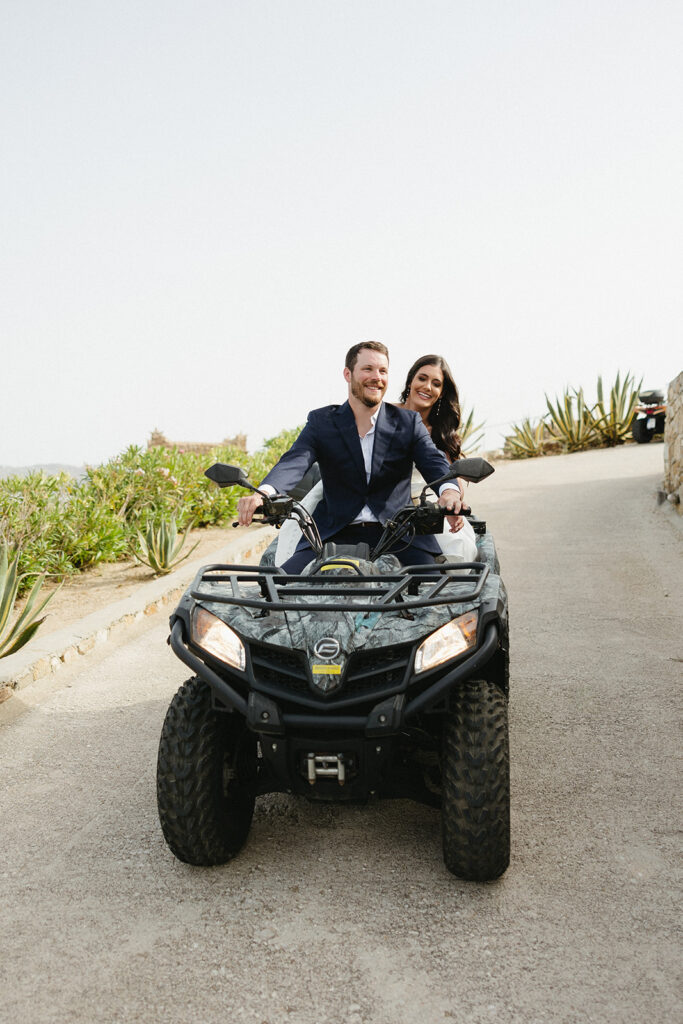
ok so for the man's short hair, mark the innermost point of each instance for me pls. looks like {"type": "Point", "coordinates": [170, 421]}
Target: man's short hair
{"type": "Point", "coordinates": [352, 354]}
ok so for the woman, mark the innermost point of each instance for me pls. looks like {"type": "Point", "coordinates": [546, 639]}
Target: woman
{"type": "Point", "coordinates": [429, 390]}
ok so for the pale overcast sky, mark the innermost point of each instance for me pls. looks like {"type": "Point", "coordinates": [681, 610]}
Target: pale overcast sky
{"type": "Point", "coordinates": [204, 204]}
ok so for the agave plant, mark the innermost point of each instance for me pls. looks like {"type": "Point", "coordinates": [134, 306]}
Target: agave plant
{"type": "Point", "coordinates": [614, 424]}
{"type": "Point", "coordinates": [470, 436]}
{"type": "Point", "coordinates": [15, 635]}
{"type": "Point", "coordinates": [526, 441]}
{"type": "Point", "coordinates": [160, 546]}
{"type": "Point", "coordinates": [574, 428]}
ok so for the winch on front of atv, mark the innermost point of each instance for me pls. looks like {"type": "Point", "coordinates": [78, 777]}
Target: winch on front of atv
{"type": "Point", "coordinates": [357, 678]}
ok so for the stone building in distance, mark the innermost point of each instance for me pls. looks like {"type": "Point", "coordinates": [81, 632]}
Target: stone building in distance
{"type": "Point", "coordinates": [158, 440]}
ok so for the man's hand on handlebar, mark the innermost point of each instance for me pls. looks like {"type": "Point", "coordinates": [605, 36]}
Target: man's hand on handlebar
{"type": "Point", "coordinates": [246, 507]}
{"type": "Point", "coordinates": [451, 499]}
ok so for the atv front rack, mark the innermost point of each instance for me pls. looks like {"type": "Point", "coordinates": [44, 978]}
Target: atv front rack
{"type": "Point", "coordinates": [270, 589]}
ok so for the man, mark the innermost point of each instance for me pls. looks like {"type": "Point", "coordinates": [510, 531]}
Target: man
{"type": "Point", "coordinates": [365, 450]}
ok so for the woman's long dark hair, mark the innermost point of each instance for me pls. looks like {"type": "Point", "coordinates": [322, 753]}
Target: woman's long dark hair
{"type": "Point", "coordinates": [444, 415]}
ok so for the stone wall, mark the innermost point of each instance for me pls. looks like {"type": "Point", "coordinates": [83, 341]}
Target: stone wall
{"type": "Point", "coordinates": [158, 440]}
{"type": "Point", "coordinates": [673, 443]}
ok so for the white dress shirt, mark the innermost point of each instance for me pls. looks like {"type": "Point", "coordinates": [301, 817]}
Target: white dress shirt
{"type": "Point", "coordinates": [367, 445]}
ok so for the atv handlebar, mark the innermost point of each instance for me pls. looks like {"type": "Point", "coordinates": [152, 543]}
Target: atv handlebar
{"type": "Point", "coordinates": [276, 509]}
{"type": "Point", "coordinates": [426, 518]}
{"type": "Point", "coordinates": [414, 520]}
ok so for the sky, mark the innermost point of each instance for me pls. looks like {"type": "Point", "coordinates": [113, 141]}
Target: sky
{"type": "Point", "coordinates": [204, 204]}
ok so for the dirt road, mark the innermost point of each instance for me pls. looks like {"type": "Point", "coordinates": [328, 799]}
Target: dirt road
{"type": "Point", "coordinates": [343, 916]}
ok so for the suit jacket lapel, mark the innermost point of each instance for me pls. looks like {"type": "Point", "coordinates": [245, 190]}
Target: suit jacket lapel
{"type": "Point", "coordinates": [345, 422]}
{"type": "Point", "coordinates": [385, 428]}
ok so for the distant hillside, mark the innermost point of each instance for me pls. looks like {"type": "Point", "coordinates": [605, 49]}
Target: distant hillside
{"type": "Point", "coordinates": [51, 468]}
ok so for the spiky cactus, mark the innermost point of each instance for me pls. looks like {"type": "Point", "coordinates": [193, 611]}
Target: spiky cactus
{"type": "Point", "coordinates": [159, 547]}
{"type": "Point", "coordinates": [13, 636]}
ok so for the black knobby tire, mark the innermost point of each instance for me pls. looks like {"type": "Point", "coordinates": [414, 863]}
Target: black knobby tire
{"type": "Point", "coordinates": [475, 810]}
{"type": "Point", "coordinates": [641, 432]}
{"type": "Point", "coordinates": [206, 774]}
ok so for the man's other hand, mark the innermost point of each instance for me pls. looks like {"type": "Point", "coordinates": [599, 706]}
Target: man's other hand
{"type": "Point", "coordinates": [451, 499]}
{"type": "Point", "coordinates": [246, 507]}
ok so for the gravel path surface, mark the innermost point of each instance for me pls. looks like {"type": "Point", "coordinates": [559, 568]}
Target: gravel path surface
{"type": "Point", "coordinates": [347, 915]}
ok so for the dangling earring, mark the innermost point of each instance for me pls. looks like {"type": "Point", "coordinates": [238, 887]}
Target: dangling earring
{"type": "Point", "coordinates": [437, 408]}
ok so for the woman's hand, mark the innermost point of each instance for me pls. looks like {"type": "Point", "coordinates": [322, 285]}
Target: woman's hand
{"type": "Point", "coordinates": [450, 499]}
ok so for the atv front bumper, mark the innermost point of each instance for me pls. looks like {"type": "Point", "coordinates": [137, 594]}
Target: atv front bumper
{"type": "Point", "coordinates": [390, 716]}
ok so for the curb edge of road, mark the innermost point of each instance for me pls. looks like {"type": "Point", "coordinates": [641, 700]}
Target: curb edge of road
{"type": "Point", "coordinates": [47, 654]}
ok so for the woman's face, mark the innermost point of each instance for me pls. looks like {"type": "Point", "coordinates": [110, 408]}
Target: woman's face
{"type": "Point", "coordinates": [425, 388]}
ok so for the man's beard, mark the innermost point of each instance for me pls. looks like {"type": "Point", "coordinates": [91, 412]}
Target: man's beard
{"type": "Point", "coordinates": [358, 392]}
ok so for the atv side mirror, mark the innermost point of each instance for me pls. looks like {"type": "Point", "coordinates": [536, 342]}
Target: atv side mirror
{"type": "Point", "coordinates": [473, 470]}
{"type": "Point", "coordinates": [228, 476]}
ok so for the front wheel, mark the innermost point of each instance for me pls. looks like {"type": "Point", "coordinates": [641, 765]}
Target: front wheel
{"type": "Point", "coordinates": [206, 773]}
{"type": "Point", "coordinates": [475, 810]}
{"type": "Point", "coordinates": [642, 434]}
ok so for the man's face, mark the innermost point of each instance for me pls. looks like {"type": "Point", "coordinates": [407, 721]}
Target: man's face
{"type": "Point", "coordinates": [369, 377]}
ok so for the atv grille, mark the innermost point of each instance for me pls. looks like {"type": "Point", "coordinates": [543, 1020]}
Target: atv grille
{"type": "Point", "coordinates": [377, 669]}
{"type": "Point", "coordinates": [276, 666]}
{"type": "Point", "coordinates": [285, 672]}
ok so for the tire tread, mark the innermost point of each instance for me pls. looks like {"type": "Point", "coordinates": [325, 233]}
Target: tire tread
{"type": "Point", "coordinates": [201, 824]}
{"type": "Point", "coordinates": [476, 783]}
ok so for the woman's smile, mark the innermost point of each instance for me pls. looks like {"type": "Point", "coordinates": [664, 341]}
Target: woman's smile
{"type": "Point", "coordinates": [426, 387]}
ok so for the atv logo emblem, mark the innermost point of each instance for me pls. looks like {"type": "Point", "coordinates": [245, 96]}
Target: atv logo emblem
{"type": "Point", "coordinates": [326, 675]}
{"type": "Point", "coordinates": [327, 647]}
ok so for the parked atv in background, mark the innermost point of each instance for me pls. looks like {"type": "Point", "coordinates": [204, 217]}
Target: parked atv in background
{"type": "Point", "coordinates": [648, 416]}
{"type": "Point", "coordinates": [357, 678]}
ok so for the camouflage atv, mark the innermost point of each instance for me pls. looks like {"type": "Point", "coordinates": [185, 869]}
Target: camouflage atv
{"type": "Point", "coordinates": [358, 678]}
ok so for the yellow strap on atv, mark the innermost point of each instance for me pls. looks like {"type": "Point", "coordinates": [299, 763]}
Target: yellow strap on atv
{"type": "Point", "coordinates": [340, 562]}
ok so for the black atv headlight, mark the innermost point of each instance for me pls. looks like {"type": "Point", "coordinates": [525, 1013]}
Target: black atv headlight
{"type": "Point", "coordinates": [448, 642]}
{"type": "Point", "coordinates": [212, 635]}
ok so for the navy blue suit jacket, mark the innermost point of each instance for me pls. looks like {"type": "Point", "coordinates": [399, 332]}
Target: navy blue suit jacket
{"type": "Point", "coordinates": [330, 438]}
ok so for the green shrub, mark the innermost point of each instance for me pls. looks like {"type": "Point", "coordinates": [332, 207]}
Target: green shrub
{"type": "Point", "coordinates": [526, 440]}
{"type": "Point", "coordinates": [33, 511]}
{"type": "Point", "coordinates": [613, 424]}
{"type": "Point", "coordinates": [470, 436]}
{"type": "Point", "coordinates": [14, 635]}
{"type": "Point", "coordinates": [138, 486]}
{"type": "Point", "coordinates": [575, 429]}
{"type": "Point", "coordinates": [61, 525]}
{"type": "Point", "coordinates": [88, 532]}
{"type": "Point", "coordinates": [160, 547]}
{"type": "Point", "coordinates": [570, 425]}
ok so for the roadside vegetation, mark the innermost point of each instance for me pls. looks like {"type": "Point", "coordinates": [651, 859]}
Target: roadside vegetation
{"type": "Point", "coordinates": [144, 502]}
{"type": "Point", "coordinates": [571, 424]}
{"type": "Point", "coordinates": [13, 635]}
{"type": "Point", "coordinates": [471, 434]}
{"type": "Point", "coordinates": [135, 505]}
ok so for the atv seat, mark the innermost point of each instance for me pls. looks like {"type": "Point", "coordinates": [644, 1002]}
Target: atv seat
{"type": "Point", "coordinates": [651, 397]}
{"type": "Point", "coordinates": [332, 550]}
